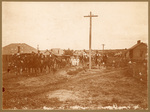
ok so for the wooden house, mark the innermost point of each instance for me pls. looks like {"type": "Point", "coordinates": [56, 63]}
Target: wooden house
{"type": "Point", "coordinates": [137, 52]}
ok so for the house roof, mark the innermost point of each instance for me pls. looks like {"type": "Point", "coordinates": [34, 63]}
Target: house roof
{"type": "Point", "coordinates": [13, 48]}
{"type": "Point", "coordinates": [136, 45]}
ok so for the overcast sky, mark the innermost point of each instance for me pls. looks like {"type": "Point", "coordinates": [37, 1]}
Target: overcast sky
{"type": "Point", "coordinates": [63, 25]}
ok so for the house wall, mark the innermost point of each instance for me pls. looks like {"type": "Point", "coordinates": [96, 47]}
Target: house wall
{"type": "Point", "coordinates": [139, 52]}
{"type": "Point", "coordinates": [126, 54]}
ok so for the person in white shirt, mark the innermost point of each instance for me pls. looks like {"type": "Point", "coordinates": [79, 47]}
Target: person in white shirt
{"type": "Point", "coordinates": [77, 59]}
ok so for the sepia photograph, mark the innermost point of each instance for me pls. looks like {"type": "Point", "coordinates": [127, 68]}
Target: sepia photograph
{"type": "Point", "coordinates": [74, 55]}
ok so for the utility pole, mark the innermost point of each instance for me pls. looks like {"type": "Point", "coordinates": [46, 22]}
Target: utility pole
{"type": "Point", "coordinates": [38, 48]}
{"type": "Point", "coordinates": [90, 36]}
{"type": "Point", "coordinates": [103, 48]}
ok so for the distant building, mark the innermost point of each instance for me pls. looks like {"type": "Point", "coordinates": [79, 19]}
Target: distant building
{"type": "Point", "coordinates": [138, 51]}
{"type": "Point", "coordinates": [45, 52]}
{"type": "Point", "coordinates": [17, 48]}
{"type": "Point", "coordinates": [14, 48]}
{"type": "Point", "coordinates": [57, 51]}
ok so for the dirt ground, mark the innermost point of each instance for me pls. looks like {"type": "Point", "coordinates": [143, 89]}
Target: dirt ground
{"type": "Point", "coordinates": [110, 88]}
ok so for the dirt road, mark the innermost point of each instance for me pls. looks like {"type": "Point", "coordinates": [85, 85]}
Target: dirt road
{"type": "Point", "coordinates": [109, 88]}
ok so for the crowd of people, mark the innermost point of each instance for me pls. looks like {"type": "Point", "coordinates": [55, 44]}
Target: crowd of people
{"type": "Point", "coordinates": [35, 63]}
{"type": "Point", "coordinates": [39, 63]}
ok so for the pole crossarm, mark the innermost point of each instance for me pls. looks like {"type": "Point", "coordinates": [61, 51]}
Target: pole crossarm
{"type": "Point", "coordinates": [91, 16]}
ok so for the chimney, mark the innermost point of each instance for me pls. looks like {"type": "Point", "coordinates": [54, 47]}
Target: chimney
{"type": "Point", "coordinates": [139, 41]}
{"type": "Point", "coordinates": [18, 49]}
